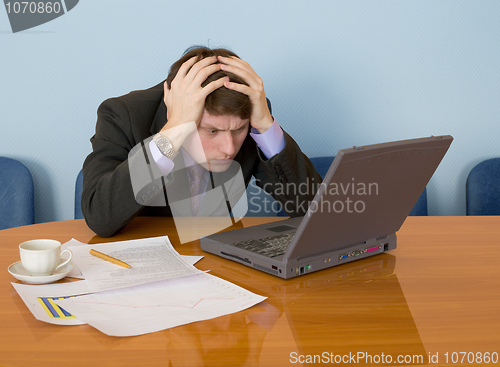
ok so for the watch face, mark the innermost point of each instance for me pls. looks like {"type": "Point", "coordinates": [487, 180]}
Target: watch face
{"type": "Point", "coordinates": [163, 144]}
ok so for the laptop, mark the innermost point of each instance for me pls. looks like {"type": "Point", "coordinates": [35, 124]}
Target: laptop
{"type": "Point", "coordinates": [364, 199]}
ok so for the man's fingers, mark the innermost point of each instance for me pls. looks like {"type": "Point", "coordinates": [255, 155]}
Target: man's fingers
{"type": "Point", "coordinates": [183, 70]}
{"type": "Point", "coordinates": [242, 88]}
{"type": "Point", "coordinates": [204, 73]}
{"type": "Point", "coordinates": [235, 61]}
{"type": "Point", "coordinates": [190, 68]}
{"type": "Point", "coordinates": [216, 84]}
{"type": "Point", "coordinates": [199, 66]}
{"type": "Point", "coordinates": [247, 75]}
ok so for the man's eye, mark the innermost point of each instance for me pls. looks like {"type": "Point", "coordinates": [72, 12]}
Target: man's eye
{"type": "Point", "coordinates": [212, 131]}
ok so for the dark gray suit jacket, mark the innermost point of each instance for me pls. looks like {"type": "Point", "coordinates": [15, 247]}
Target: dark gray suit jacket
{"type": "Point", "coordinates": [108, 198]}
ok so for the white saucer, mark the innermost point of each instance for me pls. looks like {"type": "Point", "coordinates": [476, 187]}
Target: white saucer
{"type": "Point", "coordinates": [18, 271]}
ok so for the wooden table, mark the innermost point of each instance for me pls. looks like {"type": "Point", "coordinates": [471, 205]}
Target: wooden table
{"type": "Point", "coordinates": [437, 293]}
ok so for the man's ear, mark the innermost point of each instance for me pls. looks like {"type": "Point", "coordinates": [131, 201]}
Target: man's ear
{"type": "Point", "coordinates": [168, 115]}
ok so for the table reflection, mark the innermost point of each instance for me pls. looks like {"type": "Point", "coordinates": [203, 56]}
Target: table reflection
{"type": "Point", "coordinates": [350, 309]}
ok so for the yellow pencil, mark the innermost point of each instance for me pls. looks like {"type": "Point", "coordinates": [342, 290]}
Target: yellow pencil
{"type": "Point", "coordinates": [109, 258]}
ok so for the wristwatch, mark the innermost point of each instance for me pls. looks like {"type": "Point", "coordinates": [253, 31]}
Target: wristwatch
{"type": "Point", "coordinates": [165, 146]}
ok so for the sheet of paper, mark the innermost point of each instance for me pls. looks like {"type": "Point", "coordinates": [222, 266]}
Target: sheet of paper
{"type": "Point", "coordinates": [191, 259]}
{"type": "Point", "coordinates": [76, 273]}
{"type": "Point", "coordinates": [151, 260]}
{"type": "Point", "coordinates": [40, 300]}
{"type": "Point", "coordinates": [161, 305]}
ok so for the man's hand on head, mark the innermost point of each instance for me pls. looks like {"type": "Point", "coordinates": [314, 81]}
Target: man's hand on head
{"type": "Point", "coordinates": [185, 99]}
{"type": "Point", "coordinates": [260, 118]}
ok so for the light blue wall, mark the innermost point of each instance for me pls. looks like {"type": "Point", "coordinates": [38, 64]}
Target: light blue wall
{"type": "Point", "coordinates": [339, 73]}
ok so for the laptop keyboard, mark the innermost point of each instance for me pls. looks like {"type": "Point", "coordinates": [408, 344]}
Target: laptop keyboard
{"type": "Point", "coordinates": [268, 246]}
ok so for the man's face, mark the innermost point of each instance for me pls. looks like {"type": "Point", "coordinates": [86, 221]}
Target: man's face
{"type": "Point", "coordinates": [221, 138]}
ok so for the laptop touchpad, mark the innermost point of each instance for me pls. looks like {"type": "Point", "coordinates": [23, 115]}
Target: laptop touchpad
{"type": "Point", "coordinates": [281, 228]}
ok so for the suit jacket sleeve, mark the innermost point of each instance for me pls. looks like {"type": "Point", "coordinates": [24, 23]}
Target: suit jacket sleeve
{"type": "Point", "coordinates": [111, 197]}
{"type": "Point", "coordinates": [289, 177]}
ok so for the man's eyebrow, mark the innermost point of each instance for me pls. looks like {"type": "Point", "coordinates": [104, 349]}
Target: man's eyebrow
{"type": "Point", "coordinates": [212, 127]}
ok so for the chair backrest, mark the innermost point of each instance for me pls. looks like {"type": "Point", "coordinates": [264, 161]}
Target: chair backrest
{"type": "Point", "coordinates": [483, 188]}
{"type": "Point", "coordinates": [16, 194]}
{"type": "Point", "coordinates": [420, 207]}
{"type": "Point", "coordinates": [322, 164]}
{"type": "Point", "coordinates": [78, 196]}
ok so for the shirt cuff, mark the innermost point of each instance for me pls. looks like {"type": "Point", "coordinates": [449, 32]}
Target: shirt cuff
{"type": "Point", "coordinates": [165, 164]}
{"type": "Point", "coordinates": [271, 142]}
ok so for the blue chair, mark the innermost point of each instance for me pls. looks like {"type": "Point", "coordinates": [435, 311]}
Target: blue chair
{"type": "Point", "coordinates": [420, 207]}
{"type": "Point", "coordinates": [16, 194]}
{"type": "Point", "coordinates": [322, 164]}
{"type": "Point", "coordinates": [78, 196]}
{"type": "Point", "coordinates": [483, 188]}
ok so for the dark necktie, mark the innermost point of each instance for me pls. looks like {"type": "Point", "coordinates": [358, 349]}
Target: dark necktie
{"type": "Point", "coordinates": [196, 173]}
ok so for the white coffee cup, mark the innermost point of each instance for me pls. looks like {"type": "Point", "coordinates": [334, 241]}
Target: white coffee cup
{"type": "Point", "coordinates": [42, 257]}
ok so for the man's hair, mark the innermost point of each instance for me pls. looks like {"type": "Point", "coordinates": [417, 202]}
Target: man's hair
{"type": "Point", "coordinates": [221, 101]}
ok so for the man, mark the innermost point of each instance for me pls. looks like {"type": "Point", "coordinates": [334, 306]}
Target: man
{"type": "Point", "coordinates": [213, 109]}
